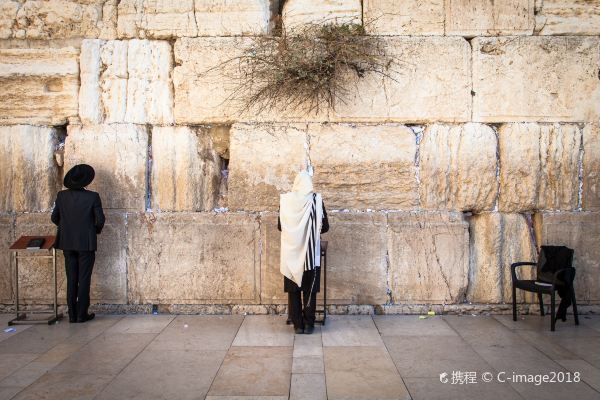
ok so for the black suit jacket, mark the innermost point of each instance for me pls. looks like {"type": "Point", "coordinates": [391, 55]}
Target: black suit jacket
{"type": "Point", "coordinates": [79, 217]}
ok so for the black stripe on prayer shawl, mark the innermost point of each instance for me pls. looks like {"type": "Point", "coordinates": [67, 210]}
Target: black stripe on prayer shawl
{"type": "Point", "coordinates": [309, 263]}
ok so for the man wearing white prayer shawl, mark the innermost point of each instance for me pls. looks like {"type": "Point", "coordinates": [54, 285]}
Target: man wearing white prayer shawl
{"type": "Point", "coordinates": [302, 218]}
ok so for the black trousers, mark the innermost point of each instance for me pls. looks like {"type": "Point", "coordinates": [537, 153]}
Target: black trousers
{"type": "Point", "coordinates": [302, 310]}
{"type": "Point", "coordinates": [566, 299]}
{"type": "Point", "coordinates": [79, 266]}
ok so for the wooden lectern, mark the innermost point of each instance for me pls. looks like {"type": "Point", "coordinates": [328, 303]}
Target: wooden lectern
{"type": "Point", "coordinates": [19, 251]}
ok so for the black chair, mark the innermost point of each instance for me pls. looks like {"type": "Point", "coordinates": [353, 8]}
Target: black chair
{"type": "Point", "coordinates": [555, 272]}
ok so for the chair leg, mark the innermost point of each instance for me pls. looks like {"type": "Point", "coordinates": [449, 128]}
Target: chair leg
{"type": "Point", "coordinates": [541, 301]}
{"type": "Point", "coordinates": [552, 313]}
{"type": "Point", "coordinates": [575, 314]}
{"type": "Point", "coordinates": [514, 301]}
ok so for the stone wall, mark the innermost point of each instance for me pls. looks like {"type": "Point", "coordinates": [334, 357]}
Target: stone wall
{"type": "Point", "coordinates": [482, 144]}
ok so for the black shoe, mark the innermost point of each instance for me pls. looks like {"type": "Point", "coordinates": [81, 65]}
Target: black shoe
{"type": "Point", "coordinates": [308, 329]}
{"type": "Point", "coordinates": [298, 331]}
{"type": "Point", "coordinates": [89, 317]}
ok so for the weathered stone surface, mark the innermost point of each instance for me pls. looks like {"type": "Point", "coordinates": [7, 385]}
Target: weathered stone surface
{"type": "Point", "coordinates": [525, 79]}
{"type": "Point", "coordinates": [182, 258]}
{"type": "Point", "coordinates": [364, 166]}
{"type": "Point", "coordinates": [498, 240]}
{"type": "Point", "coordinates": [539, 167]}
{"type": "Point", "coordinates": [29, 176]}
{"type": "Point", "coordinates": [404, 17]}
{"type": "Point", "coordinates": [204, 85]}
{"type": "Point", "coordinates": [458, 167]}
{"type": "Point", "coordinates": [126, 81]}
{"type": "Point", "coordinates": [591, 167]}
{"type": "Point", "coordinates": [39, 86]}
{"type": "Point", "coordinates": [57, 19]}
{"type": "Point", "coordinates": [264, 162]}
{"type": "Point", "coordinates": [581, 232]}
{"type": "Point", "coordinates": [232, 17]}
{"type": "Point", "coordinates": [428, 257]}
{"type": "Point", "coordinates": [567, 17]}
{"type": "Point", "coordinates": [156, 19]}
{"type": "Point", "coordinates": [118, 153]}
{"type": "Point", "coordinates": [7, 237]}
{"type": "Point", "coordinates": [271, 282]}
{"type": "Point", "coordinates": [186, 169]}
{"type": "Point", "coordinates": [301, 12]}
{"type": "Point", "coordinates": [109, 279]}
{"type": "Point", "coordinates": [489, 17]}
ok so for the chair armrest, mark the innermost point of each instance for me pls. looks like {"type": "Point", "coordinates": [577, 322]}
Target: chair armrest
{"type": "Point", "coordinates": [514, 266]}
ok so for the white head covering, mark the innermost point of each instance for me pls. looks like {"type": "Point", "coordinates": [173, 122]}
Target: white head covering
{"type": "Point", "coordinates": [295, 210]}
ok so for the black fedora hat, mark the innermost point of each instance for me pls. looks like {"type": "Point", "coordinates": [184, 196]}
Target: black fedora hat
{"type": "Point", "coordinates": [79, 176]}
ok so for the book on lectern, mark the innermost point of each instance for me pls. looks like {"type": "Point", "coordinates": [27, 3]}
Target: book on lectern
{"type": "Point", "coordinates": [35, 244]}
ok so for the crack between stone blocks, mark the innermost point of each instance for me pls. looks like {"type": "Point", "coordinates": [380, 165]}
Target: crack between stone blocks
{"type": "Point", "coordinates": [580, 170]}
{"type": "Point", "coordinates": [149, 170]}
{"type": "Point", "coordinates": [472, 92]}
{"type": "Point", "coordinates": [388, 288]}
{"type": "Point", "coordinates": [498, 187]}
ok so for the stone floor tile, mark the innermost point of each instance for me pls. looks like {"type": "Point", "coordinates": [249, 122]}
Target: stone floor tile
{"type": "Point", "coordinates": [60, 352]}
{"type": "Point", "coordinates": [546, 344]}
{"type": "Point", "coordinates": [542, 325]}
{"type": "Point", "coordinates": [589, 373]}
{"type": "Point", "coordinates": [141, 324]}
{"type": "Point", "coordinates": [482, 330]}
{"type": "Point", "coordinates": [66, 385]}
{"type": "Point", "coordinates": [411, 325]}
{"type": "Point", "coordinates": [433, 389]}
{"type": "Point", "coordinates": [365, 372]}
{"type": "Point", "coordinates": [254, 371]}
{"type": "Point", "coordinates": [246, 397]}
{"type": "Point", "coordinates": [8, 392]}
{"type": "Point", "coordinates": [587, 348]}
{"type": "Point", "coordinates": [25, 376]}
{"type": "Point", "coordinates": [166, 374]}
{"type": "Point", "coordinates": [264, 330]}
{"type": "Point", "coordinates": [350, 330]}
{"type": "Point", "coordinates": [10, 363]}
{"type": "Point", "coordinates": [308, 345]}
{"type": "Point", "coordinates": [4, 318]}
{"type": "Point", "coordinates": [308, 387]}
{"type": "Point", "coordinates": [308, 365]}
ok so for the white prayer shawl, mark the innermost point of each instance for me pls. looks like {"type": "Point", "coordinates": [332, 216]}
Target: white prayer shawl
{"type": "Point", "coordinates": [299, 230]}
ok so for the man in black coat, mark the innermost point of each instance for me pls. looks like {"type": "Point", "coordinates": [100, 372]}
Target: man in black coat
{"type": "Point", "coordinates": [78, 214]}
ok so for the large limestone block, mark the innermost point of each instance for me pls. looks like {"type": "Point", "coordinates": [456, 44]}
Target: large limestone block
{"type": "Point", "coordinates": [488, 17]}
{"type": "Point", "coordinates": [205, 80]}
{"type": "Point", "coordinates": [404, 17]}
{"type": "Point", "coordinates": [568, 17]}
{"type": "Point", "coordinates": [297, 13]}
{"type": "Point", "coordinates": [458, 167]}
{"type": "Point", "coordinates": [539, 167]}
{"type": "Point", "coordinates": [126, 81]}
{"type": "Point", "coordinates": [232, 17]}
{"type": "Point", "coordinates": [109, 279]}
{"type": "Point", "coordinates": [364, 166]}
{"type": "Point", "coordinates": [156, 19]}
{"type": "Point", "coordinates": [580, 232]}
{"type": "Point", "coordinates": [498, 240]}
{"type": "Point", "coordinates": [428, 257]}
{"type": "Point", "coordinates": [57, 19]}
{"type": "Point", "coordinates": [591, 167]}
{"type": "Point", "coordinates": [39, 86]}
{"type": "Point", "coordinates": [29, 176]}
{"type": "Point", "coordinates": [181, 258]}
{"type": "Point", "coordinates": [119, 154]}
{"type": "Point", "coordinates": [186, 169]}
{"type": "Point", "coordinates": [7, 237]}
{"type": "Point", "coordinates": [271, 282]}
{"type": "Point", "coordinates": [264, 162]}
{"type": "Point", "coordinates": [539, 78]}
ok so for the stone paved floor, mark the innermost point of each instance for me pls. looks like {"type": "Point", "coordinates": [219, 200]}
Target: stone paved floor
{"type": "Point", "coordinates": [258, 357]}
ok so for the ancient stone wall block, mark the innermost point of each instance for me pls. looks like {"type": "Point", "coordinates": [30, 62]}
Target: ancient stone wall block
{"type": "Point", "coordinates": [181, 258]}
{"type": "Point", "coordinates": [498, 240]}
{"type": "Point", "coordinates": [186, 169]}
{"type": "Point", "coordinates": [7, 237]}
{"type": "Point", "coordinates": [205, 84]}
{"type": "Point", "coordinates": [126, 81]}
{"type": "Point", "coordinates": [29, 176]}
{"type": "Point", "coordinates": [301, 12]}
{"type": "Point", "coordinates": [428, 257]}
{"type": "Point", "coordinates": [39, 86]}
{"type": "Point", "coordinates": [109, 279]}
{"type": "Point", "coordinates": [232, 18]}
{"type": "Point", "coordinates": [539, 167]}
{"type": "Point", "coordinates": [118, 153]}
{"type": "Point", "coordinates": [364, 166]}
{"type": "Point", "coordinates": [567, 17]}
{"type": "Point", "coordinates": [404, 17]}
{"type": "Point", "coordinates": [271, 283]}
{"type": "Point", "coordinates": [591, 167]}
{"type": "Point", "coordinates": [580, 232]}
{"type": "Point", "coordinates": [539, 78]}
{"type": "Point", "coordinates": [458, 167]}
{"type": "Point", "coordinates": [156, 19]}
{"type": "Point", "coordinates": [264, 160]}
{"type": "Point", "coordinates": [489, 17]}
{"type": "Point", "coordinates": [56, 19]}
